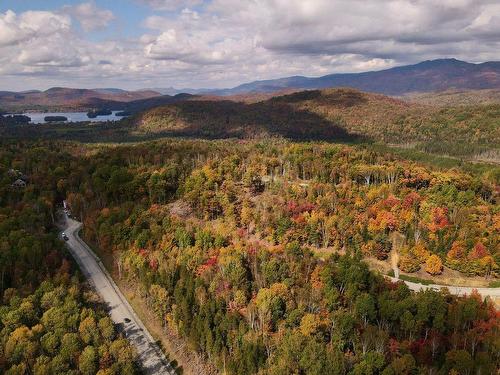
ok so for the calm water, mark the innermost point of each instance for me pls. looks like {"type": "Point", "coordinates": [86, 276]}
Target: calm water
{"type": "Point", "coordinates": [38, 117]}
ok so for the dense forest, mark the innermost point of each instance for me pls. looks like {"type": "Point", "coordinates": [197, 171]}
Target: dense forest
{"type": "Point", "coordinates": [50, 321]}
{"type": "Point", "coordinates": [252, 251]}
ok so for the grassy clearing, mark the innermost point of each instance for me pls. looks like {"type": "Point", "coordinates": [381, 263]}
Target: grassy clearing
{"type": "Point", "coordinates": [412, 279]}
{"type": "Point", "coordinates": [417, 280]}
{"type": "Point", "coordinates": [494, 284]}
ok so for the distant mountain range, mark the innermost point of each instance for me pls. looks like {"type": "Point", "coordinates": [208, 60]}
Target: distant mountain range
{"type": "Point", "coordinates": [174, 91]}
{"type": "Point", "coordinates": [428, 76]}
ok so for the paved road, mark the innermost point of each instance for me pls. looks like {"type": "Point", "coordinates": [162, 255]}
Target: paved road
{"type": "Point", "coordinates": [150, 356]}
{"type": "Point", "coordinates": [458, 290]}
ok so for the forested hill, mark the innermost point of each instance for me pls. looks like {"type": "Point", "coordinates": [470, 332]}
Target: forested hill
{"type": "Point", "coordinates": [455, 97]}
{"type": "Point", "coordinates": [211, 118]}
{"type": "Point", "coordinates": [334, 114]}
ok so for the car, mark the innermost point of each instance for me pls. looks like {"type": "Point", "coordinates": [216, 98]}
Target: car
{"type": "Point", "coordinates": [65, 238]}
{"type": "Point", "coordinates": [127, 320]}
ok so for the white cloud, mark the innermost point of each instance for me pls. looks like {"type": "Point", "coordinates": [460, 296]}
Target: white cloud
{"type": "Point", "coordinates": [15, 29]}
{"type": "Point", "coordinates": [90, 16]}
{"type": "Point", "coordinates": [43, 46]}
{"type": "Point", "coordinates": [221, 43]}
{"type": "Point", "coordinates": [57, 51]}
{"type": "Point", "coordinates": [36, 40]}
{"type": "Point", "coordinates": [325, 26]}
{"type": "Point", "coordinates": [274, 36]}
{"type": "Point", "coordinates": [195, 49]}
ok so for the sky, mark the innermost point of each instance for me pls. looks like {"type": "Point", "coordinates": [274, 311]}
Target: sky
{"type": "Point", "coordinates": [135, 44]}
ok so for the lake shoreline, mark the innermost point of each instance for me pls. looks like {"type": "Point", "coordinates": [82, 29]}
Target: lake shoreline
{"type": "Point", "coordinates": [40, 117]}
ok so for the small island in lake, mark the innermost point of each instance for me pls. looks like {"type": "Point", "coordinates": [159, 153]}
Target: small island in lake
{"type": "Point", "coordinates": [99, 112]}
{"type": "Point", "coordinates": [14, 119]}
{"type": "Point", "coordinates": [55, 118]}
{"type": "Point", "coordinates": [123, 113]}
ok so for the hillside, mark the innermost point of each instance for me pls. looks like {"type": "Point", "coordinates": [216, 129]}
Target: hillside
{"type": "Point", "coordinates": [427, 76]}
{"type": "Point", "coordinates": [334, 114]}
{"type": "Point", "coordinates": [211, 118]}
{"type": "Point", "coordinates": [455, 97]}
{"type": "Point", "coordinates": [60, 98]}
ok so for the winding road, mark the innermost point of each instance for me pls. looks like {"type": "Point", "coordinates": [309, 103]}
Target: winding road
{"type": "Point", "coordinates": [150, 356]}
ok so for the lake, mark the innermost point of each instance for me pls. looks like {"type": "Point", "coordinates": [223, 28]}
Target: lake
{"type": "Point", "coordinates": [39, 117]}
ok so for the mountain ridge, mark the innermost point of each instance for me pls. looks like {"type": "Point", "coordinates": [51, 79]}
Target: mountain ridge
{"type": "Point", "coordinates": [425, 76]}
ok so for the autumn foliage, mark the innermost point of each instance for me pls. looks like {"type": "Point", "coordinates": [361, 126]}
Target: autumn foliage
{"type": "Point", "coordinates": [434, 265]}
{"type": "Point", "coordinates": [252, 253]}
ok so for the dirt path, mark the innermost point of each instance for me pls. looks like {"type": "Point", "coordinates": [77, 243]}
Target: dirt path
{"type": "Point", "coordinates": [384, 267]}
{"type": "Point", "coordinates": [397, 242]}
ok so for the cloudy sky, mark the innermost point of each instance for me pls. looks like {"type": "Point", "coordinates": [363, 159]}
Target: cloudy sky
{"type": "Point", "coordinates": [221, 43]}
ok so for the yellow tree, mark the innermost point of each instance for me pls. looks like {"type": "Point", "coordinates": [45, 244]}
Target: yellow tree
{"type": "Point", "coordinates": [421, 252]}
{"type": "Point", "coordinates": [434, 265]}
{"type": "Point", "coordinates": [309, 324]}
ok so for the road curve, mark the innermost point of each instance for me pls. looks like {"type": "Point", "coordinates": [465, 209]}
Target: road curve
{"type": "Point", "coordinates": [150, 356]}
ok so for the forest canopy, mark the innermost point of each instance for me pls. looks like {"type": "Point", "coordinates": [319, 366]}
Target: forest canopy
{"type": "Point", "coordinates": [51, 322]}
{"type": "Point", "coordinates": [253, 251]}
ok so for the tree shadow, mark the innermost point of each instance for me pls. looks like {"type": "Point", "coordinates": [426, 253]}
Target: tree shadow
{"type": "Point", "coordinates": [214, 119]}
{"type": "Point", "coordinates": [229, 119]}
